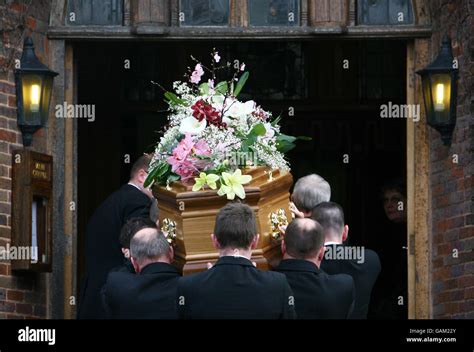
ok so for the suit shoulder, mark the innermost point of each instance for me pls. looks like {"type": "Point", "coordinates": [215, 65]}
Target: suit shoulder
{"type": "Point", "coordinates": [119, 276]}
{"type": "Point", "coordinates": [271, 275]}
{"type": "Point", "coordinates": [372, 259]}
{"type": "Point", "coordinates": [130, 192]}
{"type": "Point", "coordinates": [272, 279]}
{"type": "Point", "coordinates": [193, 278]}
{"type": "Point", "coordinates": [119, 280]}
{"type": "Point", "coordinates": [344, 280]}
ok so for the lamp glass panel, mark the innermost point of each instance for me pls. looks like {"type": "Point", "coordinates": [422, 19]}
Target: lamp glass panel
{"type": "Point", "coordinates": [32, 86]}
{"type": "Point", "coordinates": [46, 98]}
{"type": "Point", "coordinates": [441, 95]}
{"type": "Point", "coordinates": [426, 86]}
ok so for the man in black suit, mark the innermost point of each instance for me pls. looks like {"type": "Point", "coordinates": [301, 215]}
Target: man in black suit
{"type": "Point", "coordinates": [317, 294]}
{"type": "Point", "coordinates": [151, 293]}
{"type": "Point", "coordinates": [234, 288]}
{"type": "Point", "coordinates": [360, 263]}
{"type": "Point", "coordinates": [103, 250]}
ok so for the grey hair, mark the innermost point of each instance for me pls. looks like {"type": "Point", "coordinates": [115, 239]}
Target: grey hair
{"type": "Point", "coordinates": [148, 243]}
{"type": "Point", "coordinates": [309, 191]}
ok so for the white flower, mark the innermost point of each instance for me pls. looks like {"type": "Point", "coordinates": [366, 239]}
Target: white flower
{"type": "Point", "coordinates": [238, 110]}
{"type": "Point", "coordinates": [217, 58]}
{"type": "Point", "coordinates": [192, 125]}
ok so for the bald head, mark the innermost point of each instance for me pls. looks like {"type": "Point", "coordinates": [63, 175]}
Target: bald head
{"type": "Point", "coordinates": [304, 238]}
{"type": "Point", "coordinates": [309, 191]}
{"type": "Point", "coordinates": [149, 245]}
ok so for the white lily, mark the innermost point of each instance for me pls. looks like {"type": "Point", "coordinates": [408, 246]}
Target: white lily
{"type": "Point", "coordinates": [238, 110]}
{"type": "Point", "coordinates": [192, 125]}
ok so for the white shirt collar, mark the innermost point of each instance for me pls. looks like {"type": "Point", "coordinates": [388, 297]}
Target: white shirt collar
{"type": "Point", "coordinates": [330, 243]}
{"type": "Point", "coordinates": [236, 256]}
{"type": "Point", "coordinates": [134, 185]}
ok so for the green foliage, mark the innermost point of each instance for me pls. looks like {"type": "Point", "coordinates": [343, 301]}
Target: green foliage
{"type": "Point", "coordinates": [286, 143]}
{"type": "Point", "coordinates": [257, 130]}
{"type": "Point", "coordinates": [204, 88]}
{"type": "Point", "coordinates": [172, 99]}
{"type": "Point", "coordinates": [221, 87]}
{"type": "Point", "coordinates": [159, 174]}
{"type": "Point", "coordinates": [240, 84]}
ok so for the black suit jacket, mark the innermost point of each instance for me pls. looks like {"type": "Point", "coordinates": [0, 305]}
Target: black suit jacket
{"type": "Point", "coordinates": [317, 294]}
{"type": "Point", "coordinates": [234, 289]}
{"type": "Point", "coordinates": [103, 251]}
{"type": "Point", "coordinates": [148, 295]}
{"type": "Point", "coordinates": [126, 267]}
{"type": "Point", "coordinates": [364, 274]}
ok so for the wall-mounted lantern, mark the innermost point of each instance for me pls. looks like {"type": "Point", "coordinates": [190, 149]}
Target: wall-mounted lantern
{"type": "Point", "coordinates": [34, 84]}
{"type": "Point", "coordinates": [439, 84]}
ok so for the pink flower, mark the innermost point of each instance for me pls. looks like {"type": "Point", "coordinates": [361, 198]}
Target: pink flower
{"type": "Point", "coordinates": [201, 148]}
{"type": "Point", "coordinates": [187, 142]}
{"type": "Point", "coordinates": [199, 69]}
{"type": "Point", "coordinates": [185, 161]}
{"type": "Point", "coordinates": [242, 67]}
{"type": "Point", "coordinates": [195, 78]}
{"type": "Point", "coordinates": [197, 74]}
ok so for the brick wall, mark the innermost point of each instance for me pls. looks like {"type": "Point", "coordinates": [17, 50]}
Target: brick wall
{"type": "Point", "coordinates": [452, 184]}
{"type": "Point", "coordinates": [21, 296]}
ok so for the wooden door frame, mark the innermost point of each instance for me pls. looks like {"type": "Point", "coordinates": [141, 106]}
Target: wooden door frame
{"type": "Point", "coordinates": [62, 144]}
{"type": "Point", "coordinates": [418, 189]}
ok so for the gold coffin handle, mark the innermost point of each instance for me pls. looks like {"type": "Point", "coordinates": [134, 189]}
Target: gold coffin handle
{"type": "Point", "coordinates": [168, 228]}
{"type": "Point", "coordinates": [277, 219]}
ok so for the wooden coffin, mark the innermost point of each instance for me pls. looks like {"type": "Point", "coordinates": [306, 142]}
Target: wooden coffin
{"type": "Point", "coordinates": [189, 217]}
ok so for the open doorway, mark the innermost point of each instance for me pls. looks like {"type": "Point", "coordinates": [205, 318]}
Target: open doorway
{"type": "Point", "coordinates": [329, 90]}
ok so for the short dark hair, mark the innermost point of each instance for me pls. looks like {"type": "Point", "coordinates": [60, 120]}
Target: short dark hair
{"type": "Point", "coordinates": [330, 215]}
{"type": "Point", "coordinates": [235, 226]}
{"type": "Point", "coordinates": [303, 238]}
{"type": "Point", "coordinates": [142, 163]}
{"type": "Point", "coordinates": [131, 227]}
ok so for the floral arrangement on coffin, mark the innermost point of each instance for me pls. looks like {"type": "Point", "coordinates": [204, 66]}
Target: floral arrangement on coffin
{"type": "Point", "coordinates": [211, 135]}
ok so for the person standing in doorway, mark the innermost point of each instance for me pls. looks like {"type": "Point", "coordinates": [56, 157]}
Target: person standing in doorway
{"type": "Point", "coordinates": [103, 250]}
{"type": "Point", "coordinates": [391, 294]}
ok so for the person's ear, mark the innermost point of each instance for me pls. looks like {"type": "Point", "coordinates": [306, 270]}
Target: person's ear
{"type": "Point", "coordinates": [126, 252]}
{"type": "Point", "coordinates": [215, 242]}
{"type": "Point", "coordinates": [283, 247]}
{"type": "Point", "coordinates": [254, 243]}
{"type": "Point", "coordinates": [135, 265]}
{"type": "Point", "coordinates": [321, 253]}
{"type": "Point", "coordinates": [142, 176]}
{"type": "Point", "coordinates": [345, 233]}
